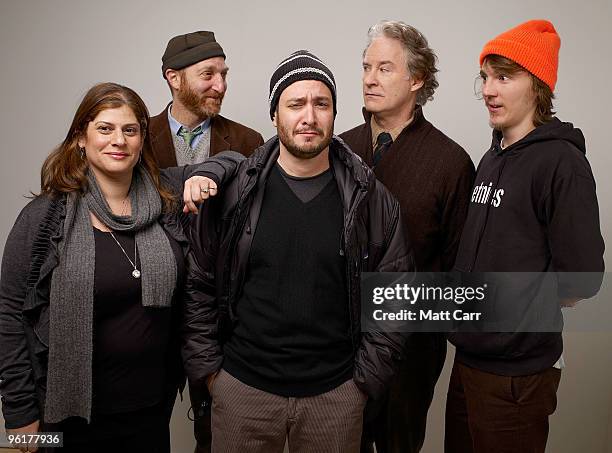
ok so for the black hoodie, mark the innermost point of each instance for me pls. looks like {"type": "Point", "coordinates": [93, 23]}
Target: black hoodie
{"type": "Point", "coordinates": [533, 209]}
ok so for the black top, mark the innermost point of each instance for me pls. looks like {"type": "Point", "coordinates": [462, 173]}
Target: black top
{"type": "Point", "coordinates": [292, 337]}
{"type": "Point", "coordinates": [306, 188]}
{"type": "Point", "coordinates": [131, 343]}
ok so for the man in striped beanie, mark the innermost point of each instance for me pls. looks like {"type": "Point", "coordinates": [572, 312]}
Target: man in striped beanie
{"type": "Point", "coordinates": [312, 78]}
{"type": "Point", "coordinates": [272, 326]}
{"type": "Point", "coordinates": [300, 65]}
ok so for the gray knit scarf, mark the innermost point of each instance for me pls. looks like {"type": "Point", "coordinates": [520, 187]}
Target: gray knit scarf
{"type": "Point", "coordinates": [69, 380]}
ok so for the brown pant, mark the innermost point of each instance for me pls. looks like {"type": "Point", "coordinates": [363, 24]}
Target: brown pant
{"type": "Point", "coordinates": [245, 419]}
{"type": "Point", "coordinates": [488, 413]}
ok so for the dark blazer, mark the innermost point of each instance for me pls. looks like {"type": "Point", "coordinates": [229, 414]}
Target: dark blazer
{"type": "Point", "coordinates": [225, 135]}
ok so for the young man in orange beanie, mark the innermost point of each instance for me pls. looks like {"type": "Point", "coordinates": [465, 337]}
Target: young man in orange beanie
{"type": "Point", "coordinates": [533, 210]}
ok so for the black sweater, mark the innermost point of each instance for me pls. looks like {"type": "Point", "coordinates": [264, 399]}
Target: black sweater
{"type": "Point", "coordinates": [533, 209]}
{"type": "Point", "coordinates": [292, 337]}
{"type": "Point", "coordinates": [431, 176]}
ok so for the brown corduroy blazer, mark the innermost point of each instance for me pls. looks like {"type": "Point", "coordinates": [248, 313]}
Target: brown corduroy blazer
{"type": "Point", "coordinates": [225, 135]}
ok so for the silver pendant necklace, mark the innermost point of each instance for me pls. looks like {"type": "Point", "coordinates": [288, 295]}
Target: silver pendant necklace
{"type": "Point", "coordinates": [135, 272]}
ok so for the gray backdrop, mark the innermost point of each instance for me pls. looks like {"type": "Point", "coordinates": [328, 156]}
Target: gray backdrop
{"type": "Point", "coordinates": [53, 51]}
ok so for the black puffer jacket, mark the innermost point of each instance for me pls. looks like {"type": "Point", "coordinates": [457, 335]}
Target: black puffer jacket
{"type": "Point", "coordinates": [373, 240]}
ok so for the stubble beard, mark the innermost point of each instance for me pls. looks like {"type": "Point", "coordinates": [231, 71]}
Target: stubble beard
{"type": "Point", "coordinates": [303, 152]}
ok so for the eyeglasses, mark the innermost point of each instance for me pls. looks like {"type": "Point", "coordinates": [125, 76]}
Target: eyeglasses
{"type": "Point", "coordinates": [478, 84]}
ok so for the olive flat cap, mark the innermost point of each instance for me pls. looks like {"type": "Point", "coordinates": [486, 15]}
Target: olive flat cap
{"type": "Point", "coordinates": [185, 50]}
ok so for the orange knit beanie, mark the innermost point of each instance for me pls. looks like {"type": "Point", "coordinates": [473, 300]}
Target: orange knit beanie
{"type": "Point", "coordinates": [534, 45]}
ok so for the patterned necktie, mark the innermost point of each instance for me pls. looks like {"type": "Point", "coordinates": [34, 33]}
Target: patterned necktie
{"type": "Point", "coordinates": [188, 135]}
{"type": "Point", "coordinates": [383, 143]}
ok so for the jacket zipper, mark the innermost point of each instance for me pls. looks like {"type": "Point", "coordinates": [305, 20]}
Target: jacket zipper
{"type": "Point", "coordinates": [352, 261]}
{"type": "Point", "coordinates": [237, 227]}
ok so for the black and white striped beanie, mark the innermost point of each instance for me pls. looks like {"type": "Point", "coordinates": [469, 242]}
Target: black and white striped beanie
{"type": "Point", "coordinates": [300, 65]}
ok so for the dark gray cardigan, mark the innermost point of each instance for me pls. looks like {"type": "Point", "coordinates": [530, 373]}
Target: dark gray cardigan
{"type": "Point", "coordinates": [30, 256]}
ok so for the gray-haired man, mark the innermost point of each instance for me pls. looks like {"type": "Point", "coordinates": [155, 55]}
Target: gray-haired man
{"type": "Point", "coordinates": [432, 177]}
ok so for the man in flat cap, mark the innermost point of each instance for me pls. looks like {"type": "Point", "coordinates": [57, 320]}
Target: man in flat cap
{"type": "Point", "coordinates": [272, 308]}
{"type": "Point", "coordinates": [190, 129]}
